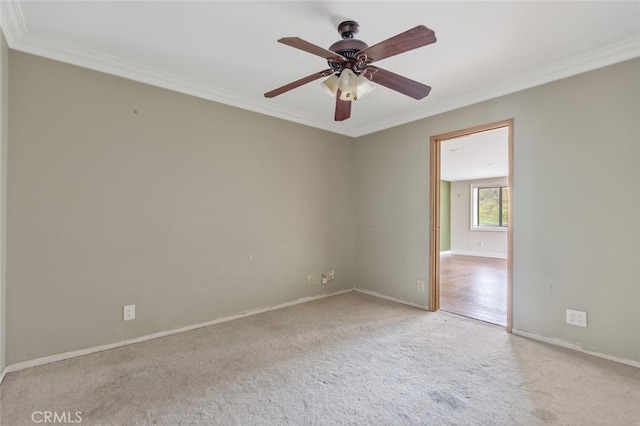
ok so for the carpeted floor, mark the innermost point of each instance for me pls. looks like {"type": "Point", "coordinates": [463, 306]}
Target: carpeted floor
{"type": "Point", "coordinates": [348, 359]}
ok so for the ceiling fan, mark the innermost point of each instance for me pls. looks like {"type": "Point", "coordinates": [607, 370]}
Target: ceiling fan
{"type": "Point", "coordinates": [350, 68]}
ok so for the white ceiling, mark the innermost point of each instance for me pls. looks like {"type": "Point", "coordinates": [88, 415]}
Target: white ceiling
{"type": "Point", "coordinates": [227, 51]}
{"type": "Point", "coordinates": [476, 156]}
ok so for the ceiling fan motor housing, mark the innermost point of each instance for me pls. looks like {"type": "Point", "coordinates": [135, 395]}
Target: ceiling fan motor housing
{"type": "Point", "coordinates": [347, 47]}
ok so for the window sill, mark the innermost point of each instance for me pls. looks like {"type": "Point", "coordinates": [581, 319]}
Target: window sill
{"type": "Point", "coordinates": [488, 229]}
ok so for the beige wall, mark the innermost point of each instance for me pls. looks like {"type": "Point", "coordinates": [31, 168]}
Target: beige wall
{"type": "Point", "coordinates": [392, 206]}
{"type": "Point", "coordinates": [4, 131]}
{"type": "Point", "coordinates": [576, 204]}
{"type": "Point", "coordinates": [122, 193]}
{"type": "Point", "coordinates": [475, 242]}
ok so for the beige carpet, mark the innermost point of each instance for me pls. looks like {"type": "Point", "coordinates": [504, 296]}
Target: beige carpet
{"type": "Point", "coordinates": [347, 359]}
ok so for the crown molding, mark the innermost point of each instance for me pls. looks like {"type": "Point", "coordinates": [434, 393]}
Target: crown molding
{"type": "Point", "coordinates": [112, 65]}
{"type": "Point", "coordinates": [608, 55]}
{"type": "Point", "coordinates": [19, 38]}
{"type": "Point", "coordinates": [12, 20]}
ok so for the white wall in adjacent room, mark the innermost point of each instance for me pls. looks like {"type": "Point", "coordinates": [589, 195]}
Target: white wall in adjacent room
{"type": "Point", "coordinates": [474, 242]}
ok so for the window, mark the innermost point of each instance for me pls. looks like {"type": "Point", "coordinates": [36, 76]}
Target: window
{"type": "Point", "coordinates": [489, 207]}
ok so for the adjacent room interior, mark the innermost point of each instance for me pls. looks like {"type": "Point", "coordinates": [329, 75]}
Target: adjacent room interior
{"type": "Point", "coordinates": [184, 240]}
{"type": "Point", "coordinates": [474, 219]}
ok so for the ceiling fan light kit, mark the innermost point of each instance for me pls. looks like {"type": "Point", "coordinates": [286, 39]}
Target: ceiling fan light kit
{"type": "Point", "coordinates": [331, 85]}
{"type": "Point", "coordinates": [351, 72]}
{"type": "Point", "coordinates": [352, 87]}
{"type": "Point", "coordinates": [364, 87]}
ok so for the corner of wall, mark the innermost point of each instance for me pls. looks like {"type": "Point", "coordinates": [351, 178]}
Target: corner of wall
{"type": "Point", "coordinates": [4, 54]}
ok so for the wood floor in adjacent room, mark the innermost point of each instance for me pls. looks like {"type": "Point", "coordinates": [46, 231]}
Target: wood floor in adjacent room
{"type": "Point", "coordinates": [475, 287]}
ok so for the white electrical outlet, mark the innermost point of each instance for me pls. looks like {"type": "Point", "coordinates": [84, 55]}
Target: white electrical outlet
{"type": "Point", "coordinates": [420, 285]}
{"type": "Point", "coordinates": [578, 318]}
{"type": "Point", "coordinates": [129, 312]}
{"type": "Point", "coordinates": [311, 279]}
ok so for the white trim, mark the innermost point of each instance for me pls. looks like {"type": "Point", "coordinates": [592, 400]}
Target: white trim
{"type": "Point", "coordinates": [393, 299]}
{"type": "Point", "coordinates": [605, 56]}
{"type": "Point", "coordinates": [575, 347]}
{"type": "Point", "coordinates": [480, 254]}
{"type": "Point", "coordinates": [72, 354]}
{"type": "Point", "coordinates": [19, 38]}
{"type": "Point", "coordinates": [445, 252]}
{"type": "Point", "coordinates": [81, 352]}
{"type": "Point", "coordinates": [131, 70]}
{"type": "Point", "coordinates": [12, 20]}
{"type": "Point", "coordinates": [489, 229]}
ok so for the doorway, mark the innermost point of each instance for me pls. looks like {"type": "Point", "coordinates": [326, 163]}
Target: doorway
{"type": "Point", "coordinates": [483, 219]}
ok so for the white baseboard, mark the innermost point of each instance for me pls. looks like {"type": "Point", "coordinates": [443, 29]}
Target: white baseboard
{"type": "Point", "coordinates": [81, 352]}
{"type": "Point", "coordinates": [393, 299]}
{"type": "Point", "coordinates": [575, 347]}
{"type": "Point", "coordinates": [445, 252]}
{"type": "Point", "coordinates": [72, 354]}
{"type": "Point", "coordinates": [480, 254]}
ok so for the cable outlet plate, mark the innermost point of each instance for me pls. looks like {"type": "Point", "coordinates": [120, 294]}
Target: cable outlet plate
{"type": "Point", "coordinates": [327, 277]}
{"type": "Point", "coordinates": [578, 318]}
{"type": "Point", "coordinates": [129, 312]}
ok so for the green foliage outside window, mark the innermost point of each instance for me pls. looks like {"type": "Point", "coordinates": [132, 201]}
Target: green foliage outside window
{"type": "Point", "coordinates": [491, 205]}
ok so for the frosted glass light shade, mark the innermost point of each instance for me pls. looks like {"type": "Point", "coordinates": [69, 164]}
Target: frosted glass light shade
{"type": "Point", "coordinates": [347, 83]}
{"type": "Point", "coordinates": [330, 85]}
{"type": "Point", "coordinates": [352, 87]}
{"type": "Point", "coordinates": [363, 88]}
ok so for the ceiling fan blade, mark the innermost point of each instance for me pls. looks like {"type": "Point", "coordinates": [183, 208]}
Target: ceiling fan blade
{"type": "Point", "coordinates": [343, 108]}
{"type": "Point", "coordinates": [398, 83]}
{"type": "Point", "coordinates": [298, 83]}
{"type": "Point", "coordinates": [301, 44]}
{"type": "Point", "coordinates": [403, 42]}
